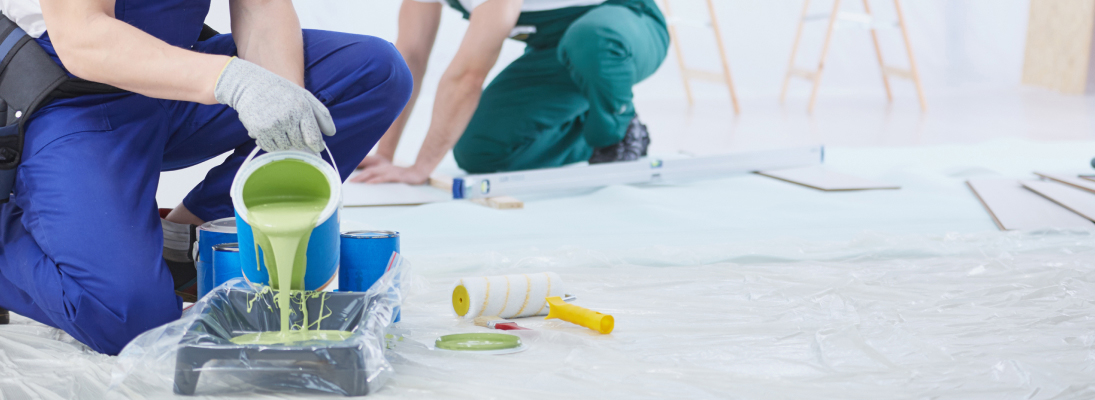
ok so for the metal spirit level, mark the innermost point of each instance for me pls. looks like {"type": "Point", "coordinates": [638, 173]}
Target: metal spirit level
{"type": "Point", "coordinates": [647, 170]}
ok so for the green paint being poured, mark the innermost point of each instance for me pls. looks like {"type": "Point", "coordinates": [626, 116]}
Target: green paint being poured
{"type": "Point", "coordinates": [284, 200]}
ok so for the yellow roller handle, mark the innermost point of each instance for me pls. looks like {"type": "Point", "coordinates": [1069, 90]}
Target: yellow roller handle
{"type": "Point", "coordinates": [579, 316]}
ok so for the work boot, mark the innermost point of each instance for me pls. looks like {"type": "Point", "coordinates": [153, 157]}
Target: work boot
{"type": "Point", "coordinates": [633, 145]}
{"type": "Point", "coordinates": [178, 252]}
{"type": "Point", "coordinates": [4, 317]}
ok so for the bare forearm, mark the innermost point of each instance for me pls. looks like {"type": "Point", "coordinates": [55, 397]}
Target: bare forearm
{"type": "Point", "coordinates": [390, 141]}
{"type": "Point", "coordinates": [103, 49]}
{"type": "Point", "coordinates": [460, 88]}
{"type": "Point", "coordinates": [268, 33]}
{"type": "Point", "coordinates": [457, 99]}
{"type": "Point", "coordinates": [418, 23]}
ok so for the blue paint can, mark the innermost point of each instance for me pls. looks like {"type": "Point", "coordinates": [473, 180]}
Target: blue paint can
{"type": "Point", "coordinates": [226, 263]}
{"type": "Point", "coordinates": [323, 245]}
{"type": "Point", "coordinates": [364, 259]}
{"type": "Point", "coordinates": [211, 234]}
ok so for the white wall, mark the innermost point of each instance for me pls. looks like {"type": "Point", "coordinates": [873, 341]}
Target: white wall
{"type": "Point", "coordinates": [958, 43]}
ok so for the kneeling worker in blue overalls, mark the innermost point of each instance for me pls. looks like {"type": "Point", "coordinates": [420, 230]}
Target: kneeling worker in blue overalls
{"type": "Point", "coordinates": [82, 245]}
{"type": "Point", "coordinates": [567, 99]}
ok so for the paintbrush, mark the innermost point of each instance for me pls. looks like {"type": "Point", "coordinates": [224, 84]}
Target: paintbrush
{"type": "Point", "coordinates": [499, 323]}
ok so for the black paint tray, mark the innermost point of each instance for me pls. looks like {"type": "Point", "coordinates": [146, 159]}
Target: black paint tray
{"type": "Point", "coordinates": [346, 367]}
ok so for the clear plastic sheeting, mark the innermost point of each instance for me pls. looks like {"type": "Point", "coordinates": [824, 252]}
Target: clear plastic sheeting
{"type": "Point", "coordinates": [983, 316]}
{"type": "Point", "coordinates": [196, 354]}
{"type": "Point", "coordinates": [992, 315]}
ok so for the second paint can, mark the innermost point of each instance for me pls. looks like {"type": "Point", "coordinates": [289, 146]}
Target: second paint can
{"type": "Point", "coordinates": [226, 263]}
{"type": "Point", "coordinates": [211, 234]}
{"type": "Point", "coordinates": [363, 259]}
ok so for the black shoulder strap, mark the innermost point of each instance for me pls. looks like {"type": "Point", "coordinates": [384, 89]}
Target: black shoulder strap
{"type": "Point", "coordinates": [28, 77]}
{"type": "Point", "coordinates": [207, 33]}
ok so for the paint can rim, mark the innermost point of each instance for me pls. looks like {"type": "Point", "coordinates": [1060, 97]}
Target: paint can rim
{"type": "Point", "coordinates": [229, 247]}
{"type": "Point", "coordinates": [223, 225]}
{"type": "Point", "coordinates": [370, 234]}
{"type": "Point", "coordinates": [333, 180]}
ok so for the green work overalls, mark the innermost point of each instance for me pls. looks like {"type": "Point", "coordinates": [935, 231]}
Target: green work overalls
{"type": "Point", "coordinates": [571, 90]}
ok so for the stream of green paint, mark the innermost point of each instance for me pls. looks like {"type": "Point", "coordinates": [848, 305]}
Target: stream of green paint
{"type": "Point", "coordinates": [284, 200]}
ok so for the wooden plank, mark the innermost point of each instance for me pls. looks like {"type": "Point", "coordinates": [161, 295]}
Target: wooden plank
{"type": "Point", "coordinates": [819, 178]}
{"type": "Point", "coordinates": [1058, 48]}
{"type": "Point", "coordinates": [500, 203]}
{"type": "Point", "coordinates": [804, 74]}
{"type": "Point", "coordinates": [1069, 179]}
{"type": "Point", "coordinates": [443, 182]}
{"type": "Point", "coordinates": [1078, 201]}
{"type": "Point", "coordinates": [704, 75]}
{"type": "Point", "coordinates": [1013, 207]}
{"type": "Point", "coordinates": [897, 72]}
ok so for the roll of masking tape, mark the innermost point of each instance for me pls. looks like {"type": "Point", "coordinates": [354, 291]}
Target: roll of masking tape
{"type": "Point", "coordinates": [506, 296]}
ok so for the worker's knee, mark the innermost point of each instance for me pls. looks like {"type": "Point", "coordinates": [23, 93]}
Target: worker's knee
{"type": "Point", "coordinates": [476, 156]}
{"type": "Point", "coordinates": [380, 59]}
{"type": "Point", "coordinates": [362, 67]}
{"type": "Point", "coordinates": [592, 46]}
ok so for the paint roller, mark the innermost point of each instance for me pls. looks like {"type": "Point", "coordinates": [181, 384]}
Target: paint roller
{"type": "Point", "coordinates": [516, 296]}
{"type": "Point", "coordinates": [506, 296]}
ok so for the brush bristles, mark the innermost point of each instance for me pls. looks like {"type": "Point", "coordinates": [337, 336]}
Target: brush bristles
{"type": "Point", "coordinates": [485, 321]}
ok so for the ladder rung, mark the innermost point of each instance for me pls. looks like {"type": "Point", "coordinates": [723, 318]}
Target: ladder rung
{"type": "Point", "coordinates": [860, 20]}
{"type": "Point", "coordinates": [677, 21]}
{"type": "Point", "coordinates": [704, 75]}
{"type": "Point", "coordinates": [804, 74]}
{"type": "Point", "coordinates": [897, 72]}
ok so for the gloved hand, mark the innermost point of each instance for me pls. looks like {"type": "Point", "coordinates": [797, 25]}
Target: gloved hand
{"type": "Point", "coordinates": [277, 113]}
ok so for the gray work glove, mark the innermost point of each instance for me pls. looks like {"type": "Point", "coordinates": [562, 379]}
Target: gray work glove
{"type": "Point", "coordinates": [277, 113]}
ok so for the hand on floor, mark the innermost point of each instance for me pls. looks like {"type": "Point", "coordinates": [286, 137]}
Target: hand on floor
{"type": "Point", "coordinates": [371, 161]}
{"type": "Point", "coordinates": [380, 170]}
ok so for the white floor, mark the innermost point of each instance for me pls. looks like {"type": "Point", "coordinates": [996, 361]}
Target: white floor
{"type": "Point", "coordinates": [747, 287]}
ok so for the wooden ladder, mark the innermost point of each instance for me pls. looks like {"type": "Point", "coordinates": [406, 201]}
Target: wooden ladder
{"type": "Point", "coordinates": [864, 19]}
{"type": "Point", "coordinates": [689, 73]}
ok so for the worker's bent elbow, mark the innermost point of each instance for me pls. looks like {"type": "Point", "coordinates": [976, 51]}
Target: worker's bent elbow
{"type": "Point", "coordinates": [79, 47]}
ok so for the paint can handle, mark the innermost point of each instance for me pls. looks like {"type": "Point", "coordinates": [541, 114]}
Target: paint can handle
{"type": "Point", "coordinates": [256, 152]}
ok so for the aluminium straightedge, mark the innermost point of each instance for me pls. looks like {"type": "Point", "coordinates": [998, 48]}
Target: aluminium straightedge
{"type": "Point", "coordinates": [647, 170]}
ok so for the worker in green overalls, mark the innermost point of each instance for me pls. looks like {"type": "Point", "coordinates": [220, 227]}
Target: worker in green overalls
{"type": "Point", "coordinates": [567, 99]}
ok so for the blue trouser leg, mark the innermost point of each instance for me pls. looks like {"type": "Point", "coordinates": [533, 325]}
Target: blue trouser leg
{"type": "Point", "coordinates": [80, 242]}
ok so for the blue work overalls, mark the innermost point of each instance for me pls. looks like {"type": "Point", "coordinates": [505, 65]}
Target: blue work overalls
{"type": "Point", "coordinates": [81, 241]}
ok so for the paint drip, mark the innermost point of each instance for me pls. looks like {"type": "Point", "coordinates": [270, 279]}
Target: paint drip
{"type": "Point", "coordinates": [282, 223]}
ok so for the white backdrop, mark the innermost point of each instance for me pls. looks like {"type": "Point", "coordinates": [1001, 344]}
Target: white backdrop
{"type": "Point", "coordinates": [959, 44]}
{"type": "Point", "coordinates": [962, 46]}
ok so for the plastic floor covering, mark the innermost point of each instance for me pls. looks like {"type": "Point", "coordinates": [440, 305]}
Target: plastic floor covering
{"type": "Point", "coordinates": [743, 287]}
